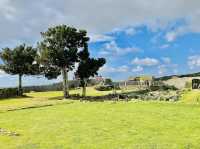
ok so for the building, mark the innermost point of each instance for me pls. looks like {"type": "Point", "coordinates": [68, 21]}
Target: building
{"type": "Point", "coordinates": [141, 78]}
{"type": "Point", "coordinates": [145, 80]}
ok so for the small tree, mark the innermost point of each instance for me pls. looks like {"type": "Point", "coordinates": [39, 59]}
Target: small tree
{"type": "Point", "coordinates": [20, 61]}
{"type": "Point", "coordinates": [58, 51]}
{"type": "Point", "coordinates": [88, 67]}
{"type": "Point", "coordinates": [108, 81]}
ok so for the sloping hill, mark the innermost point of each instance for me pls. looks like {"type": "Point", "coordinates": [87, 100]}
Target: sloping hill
{"type": "Point", "coordinates": [164, 78]}
{"type": "Point", "coordinates": [179, 81]}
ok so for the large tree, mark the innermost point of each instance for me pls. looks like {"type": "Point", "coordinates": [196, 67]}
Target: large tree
{"type": "Point", "coordinates": [88, 67]}
{"type": "Point", "coordinates": [20, 61]}
{"type": "Point", "coordinates": [58, 51]}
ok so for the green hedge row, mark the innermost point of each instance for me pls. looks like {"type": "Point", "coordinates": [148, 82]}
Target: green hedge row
{"type": "Point", "coordinates": [107, 87]}
{"type": "Point", "coordinates": [8, 92]}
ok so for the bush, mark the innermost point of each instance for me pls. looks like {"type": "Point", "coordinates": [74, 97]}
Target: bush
{"type": "Point", "coordinates": [108, 81]}
{"type": "Point", "coordinates": [163, 87]}
{"type": "Point", "coordinates": [107, 87]}
{"type": "Point", "coordinates": [8, 92]}
{"type": "Point", "coordinates": [104, 88]}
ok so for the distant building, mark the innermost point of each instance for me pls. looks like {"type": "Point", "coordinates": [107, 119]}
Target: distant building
{"type": "Point", "coordinates": [140, 80]}
{"type": "Point", "coordinates": [99, 78]}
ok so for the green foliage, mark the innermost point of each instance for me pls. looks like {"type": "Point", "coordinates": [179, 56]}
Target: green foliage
{"type": "Point", "coordinates": [88, 67]}
{"type": "Point", "coordinates": [104, 88]}
{"type": "Point", "coordinates": [20, 60]}
{"type": "Point", "coordinates": [59, 51]}
{"type": "Point", "coordinates": [108, 81]}
{"type": "Point", "coordinates": [163, 87]}
{"type": "Point", "coordinates": [8, 92]}
{"type": "Point", "coordinates": [59, 48]}
{"type": "Point", "coordinates": [107, 87]}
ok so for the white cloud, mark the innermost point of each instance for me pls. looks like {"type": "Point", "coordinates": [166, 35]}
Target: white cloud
{"type": "Point", "coordinates": [191, 25]}
{"type": "Point", "coordinates": [166, 60]}
{"type": "Point", "coordinates": [113, 49]}
{"type": "Point", "coordinates": [130, 31]}
{"type": "Point", "coordinates": [108, 69]}
{"type": "Point", "coordinates": [123, 68]}
{"type": "Point", "coordinates": [137, 69]}
{"type": "Point", "coordinates": [145, 61]}
{"type": "Point", "coordinates": [167, 68]}
{"type": "Point", "coordinates": [100, 38]}
{"type": "Point", "coordinates": [194, 61]}
{"type": "Point", "coordinates": [32, 17]}
{"type": "Point", "coordinates": [162, 69]}
{"type": "Point", "coordinates": [171, 36]}
{"type": "Point", "coordinates": [2, 74]}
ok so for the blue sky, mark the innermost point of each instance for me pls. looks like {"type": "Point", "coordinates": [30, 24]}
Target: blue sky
{"type": "Point", "coordinates": [136, 37]}
{"type": "Point", "coordinates": [148, 52]}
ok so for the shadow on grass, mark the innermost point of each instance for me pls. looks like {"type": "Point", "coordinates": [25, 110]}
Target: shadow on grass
{"type": "Point", "coordinates": [56, 98]}
{"type": "Point", "coordinates": [16, 97]}
{"type": "Point", "coordinates": [31, 107]}
{"type": "Point", "coordinates": [35, 106]}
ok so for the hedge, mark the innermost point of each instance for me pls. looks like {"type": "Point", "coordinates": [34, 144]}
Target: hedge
{"type": "Point", "coordinates": [8, 92]}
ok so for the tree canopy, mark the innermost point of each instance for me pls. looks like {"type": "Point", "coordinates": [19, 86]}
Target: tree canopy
{"type": "Point", "coordinates": [58, 51]}
{"type": "Point", "coordinates": [22, 60]}
{"type": "Point", "coordinates": [88, 67]}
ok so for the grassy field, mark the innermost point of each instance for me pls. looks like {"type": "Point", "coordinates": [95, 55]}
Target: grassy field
{"type": "Point", "coordinates": [99, 125]}
{"type": "Point", "coordinates": [43, 99]}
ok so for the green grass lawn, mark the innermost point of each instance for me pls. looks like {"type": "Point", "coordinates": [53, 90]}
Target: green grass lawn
{"type": "Point", "coordinates": [36, 99]}
{"type": "Point", "coordinates": [101, 125]}
{"type": "Point", "coordinates": [191, 97]}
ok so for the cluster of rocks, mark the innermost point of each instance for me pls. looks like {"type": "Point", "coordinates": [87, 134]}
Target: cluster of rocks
{"type": "Point", "coordinates": [95, 98]}
{"type": "Point", "coordinates": [162, 95]}
{"type": "Point", "coordinates": [157, 95]}
{"type": "Point", "coordinates": [8, 133]}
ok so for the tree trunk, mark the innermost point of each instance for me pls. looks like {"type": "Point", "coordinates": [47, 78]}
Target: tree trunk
{"type": "Point", "coordinates": [20, 86]}
{"type": "Point", "coordinates": [65, 83]}
{"type": "Point", "coordinates": [84, 88]}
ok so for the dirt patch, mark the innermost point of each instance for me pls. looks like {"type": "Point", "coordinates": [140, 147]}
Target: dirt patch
{"type": "Point", "coordinates": [8, 133]}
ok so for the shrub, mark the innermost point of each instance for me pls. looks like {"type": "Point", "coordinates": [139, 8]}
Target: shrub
{"type": "Point", "coordinates": [108, 81]}
{"type": "Point", "coordinates": [104, 88]}
{"type": "Point", "coordinates": [163, 87]}
{"type": "Point", "coordinates": [8, 92]}
{"type": "Point", "coordinates": [107, 87]}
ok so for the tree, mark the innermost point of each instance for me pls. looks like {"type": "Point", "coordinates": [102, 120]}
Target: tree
{"type": "Point", "coordinates": [20, 61]}
{"type": "Point", "coordinates": [88, 67]}
{"type": "Point", "coordinates": [108, 81]}
{"type": "Point", "coordinates": [58, 51]}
